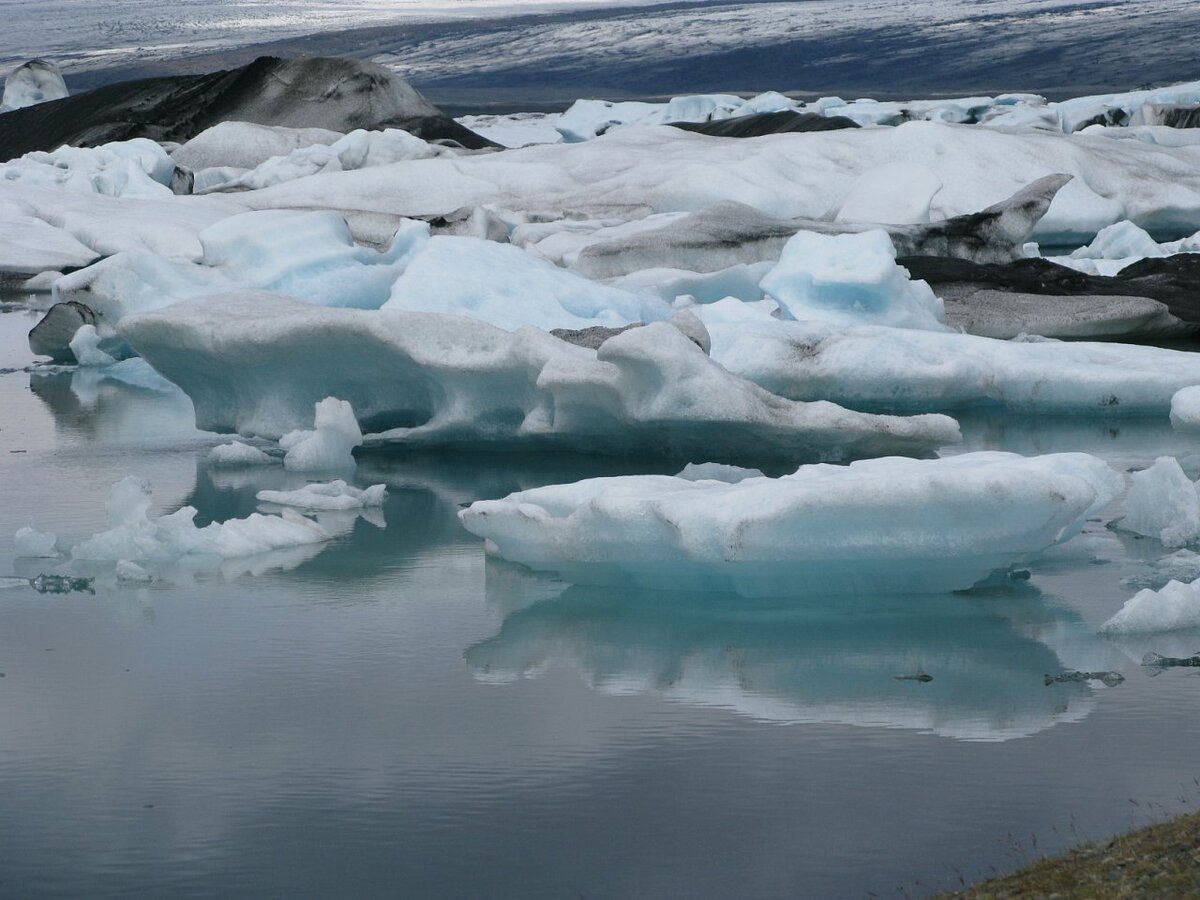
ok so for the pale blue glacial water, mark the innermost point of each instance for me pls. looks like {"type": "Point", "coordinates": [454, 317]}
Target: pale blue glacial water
{"type": "Point", "coordinates": [394, 715]}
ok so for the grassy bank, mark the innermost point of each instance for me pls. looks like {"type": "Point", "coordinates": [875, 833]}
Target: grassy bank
{"type": "Point", "coordinates": [1162, 861]}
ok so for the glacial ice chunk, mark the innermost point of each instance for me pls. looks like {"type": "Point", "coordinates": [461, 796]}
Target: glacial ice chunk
{"type": "Point", "coordinates": [237, 455]}
{"type": "Point", "coordinates": [137, 537]}
{"type": "Point", "coordinates": [885, 525]}
{"type": "Point", "coordinates": [244, 145]}
{"type": "Point", "coordinates": [875, 368]}
{"type": "Point", "coordinates": [1162, 503]}
{"type": "Point", "coordinates": [29, 542]}
{"type": "Point", "coordinates": [1176, 606]}
{"type": "Point", "coordinates": [329, 446]}
{"type": "Point", "coordinates": [359, 149]}
{"type": "Point", "coordinates": [330, 495]}
{"type": "Point", "coordinates": [1185, 409]}
{"type": "Point", "coordinates": [86, 347]}
{"type": "Point", "coordinates": [130, 572]}
{"type": "Point", "coordinates": [426, 379]}
{"type": "Point", "coordinates": [135, 168]}
{"type": "Point", "coordinates": [850, 279]}
{"type": "Point", "coordinates": [37, 81]}
{"type": "Point", "coordinates": [504, 285]}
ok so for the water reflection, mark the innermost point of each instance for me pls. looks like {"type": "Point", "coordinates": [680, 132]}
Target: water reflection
{"type": "Point", "coordinates": [817, 662]}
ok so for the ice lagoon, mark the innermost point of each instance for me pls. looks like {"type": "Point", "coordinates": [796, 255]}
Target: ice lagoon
{"type": "Point", "coordinates": [392, 712]}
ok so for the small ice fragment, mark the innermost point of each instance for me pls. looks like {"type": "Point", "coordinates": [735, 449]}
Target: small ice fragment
{"type": "Point", "coordinates": [29, 542]}
{"type": "Point", "coordinates": [1162, 503]}
{"type": "Point", "coordinates": [86, 347]}
{"type": "Point", "coordinates": [1108, 679]}
{"type": "Point", "coordinates": [236, 455]}
{"type": "Point", "coordinates": [127, 570]}
{"type": "Point", "coordinates": [333, 495]}
{"type": "Point", "coordinates": [329, 446]}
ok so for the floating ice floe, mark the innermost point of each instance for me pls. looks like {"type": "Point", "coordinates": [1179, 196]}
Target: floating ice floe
{"type": "Point", "coordinates": [876, 368]}
{"type": "Point", "coordinates": [137, 537]}
{"type": "Point", "coordinates": [331, 495]}
{"type": "Point", "coordinates": [30, 542]}
{"type": "Point", "coordinates": [850, 279]}
{"type": "Point", "coordinates": [329, 445]}
{"type": "Point", "coordinates": [1162, 503]}
{"type": "Point", "coordinates": [888, 525]}
{"type": "Point", "coordinates": [1120, 245]}
{"type": "Point", "coordinates": [131, 573]}
{"type": "Point", "coordinates": [1176, 606]}
{"type": "Point", "coordinates": [421, 378]}
{"type": "Point", "coordinates": [236, 455]}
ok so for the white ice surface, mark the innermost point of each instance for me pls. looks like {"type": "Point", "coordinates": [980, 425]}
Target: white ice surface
{"type": "Point", "coordinates": [669, 170]}
{"type": "Point", "coordinates": [885, 525]}
{"type": "Point", "coordinates": [850, 279]}
{"type": "Point", "coordinates": [897, 193]}
{"type": "Point", "coordinates": [256, 363]}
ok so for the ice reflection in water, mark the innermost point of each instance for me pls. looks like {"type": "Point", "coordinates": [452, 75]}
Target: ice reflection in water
{"type": "Point", "coordinates": [816, 661]}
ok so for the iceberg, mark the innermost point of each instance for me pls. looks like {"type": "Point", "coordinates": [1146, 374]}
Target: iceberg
{"type": "Point", "coordinates": [876, 368]}
{"type": "Point", "coordinates": [878, 526]}
{"type": "Point", "coordinates": [1175, 607]}
{"type": "Point", "coordinates": [850, 279]}
{"type": "Point", "coordinates": [85, 346]}
{"type": "Point", "coordinates": [256, 363]}
{"type": "Point", "coordinates": [1162, 503]}
{"type": "Point", "coordinates": [329, 445]}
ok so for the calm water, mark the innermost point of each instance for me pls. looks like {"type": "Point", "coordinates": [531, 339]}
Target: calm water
{"type": "Point", "coordinates": [393, 715]}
